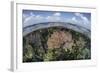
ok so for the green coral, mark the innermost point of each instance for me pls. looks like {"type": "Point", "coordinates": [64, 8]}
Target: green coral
{"type": "Point", "coordinates": [49, 56]}
{"type": "Point", "coordinates": [28, 53]}
{"type": "Point", "coordinates": [36, 49]}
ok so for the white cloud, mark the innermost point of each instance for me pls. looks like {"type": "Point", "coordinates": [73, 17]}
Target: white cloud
{"type": "Point", "coordinates": [74, 19]}
{"type": "Point", "coordinates": [27, 17]}
{"type": "Point", "coordinates": [78, 14]}
{"type": "Point", "coordinates": [33, 19]}
{"type": "Point", "coordinates": [32, 14]}
{"type": "Point", "coordinates": [86, 20]}
{"type": "Point", "coordinates": [83, 21]}
{"type": "Point", "coordinates": [38, 17]}
{"type": "Point", "coordinates": [48, 17]}
{"type": "Point", "coordinates": [54, 17]}
{"type": "Point", "coordinates": [24, 16]}
{"type": "Point", "coordinates": [83, 18]}
{"type": "Point", "coordinates": [57, 14]}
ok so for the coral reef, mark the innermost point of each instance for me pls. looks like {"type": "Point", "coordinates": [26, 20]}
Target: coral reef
{"type": "Point", "coordinates": [55, 44]}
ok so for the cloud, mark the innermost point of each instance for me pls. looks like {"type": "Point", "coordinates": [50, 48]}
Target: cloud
{"type": "Point", "coordinates": [74, 19]}
{"type": "Point", "coordinates": [27, 17]}
{"type": "Point", "coordinates": [57, 14]}
{"type": "Point", "coordinates": [32, 14]}
{"type": "Point", "coordinates": [33, 19]}
{"type": "Point", "coordinates": [78, 14]}
{"type": "Point", "coordinates": [83, 18]}
{"type": "Point", "coordinates": [24, 16]}
{"type": "Point", "coordinates": [77, 18]}
{"type": "Point", "coordinates": [54, 17]}
{"type": "Point", "coordinates": [38, 17]}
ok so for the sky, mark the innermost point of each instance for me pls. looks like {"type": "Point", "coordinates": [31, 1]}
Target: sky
{"type": "Point", "coordinates": [31, 17]}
